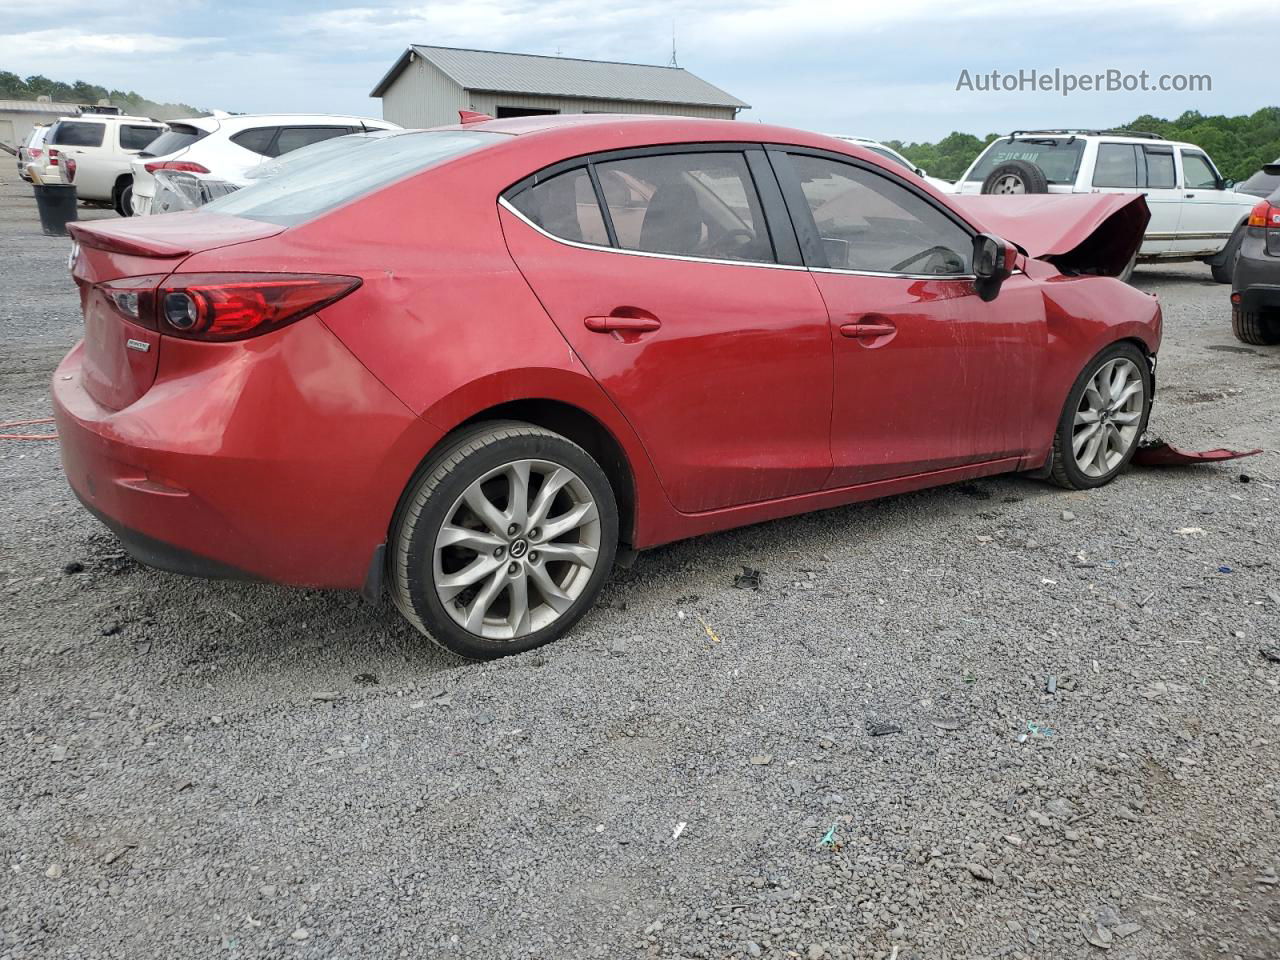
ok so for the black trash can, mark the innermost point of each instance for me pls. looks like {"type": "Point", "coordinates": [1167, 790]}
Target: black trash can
{"type": "Point", "coordinates": [57, 205]}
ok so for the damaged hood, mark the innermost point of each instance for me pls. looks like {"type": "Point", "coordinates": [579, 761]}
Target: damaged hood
{"type": "Point", "coordinates": [1077, 233]}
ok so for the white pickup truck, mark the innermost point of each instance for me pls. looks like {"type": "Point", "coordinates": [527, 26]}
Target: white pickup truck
{"type": "Point", "coordinates": [1195, 215]}
{"type": "Point", "coordinates": [102, 147]}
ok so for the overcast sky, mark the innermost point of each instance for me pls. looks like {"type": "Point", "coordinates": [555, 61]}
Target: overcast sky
{"type": "Point", "coordinates": [885, 69]}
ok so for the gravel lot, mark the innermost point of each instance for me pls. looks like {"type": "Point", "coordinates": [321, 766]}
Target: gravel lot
{"type": "Point", "coordinates": [196, 769]}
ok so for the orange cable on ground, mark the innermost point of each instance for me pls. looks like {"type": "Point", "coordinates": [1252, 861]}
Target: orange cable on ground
{"type": "Point", "coordinates": [27, 436]}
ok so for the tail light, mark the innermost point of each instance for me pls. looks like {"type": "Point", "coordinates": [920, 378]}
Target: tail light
{"type": "Point", "coordinates": [223, 306]}
{"type": "Point", "coordinates": [53, 157]}
{"type": "Point", "coordinates": [1265, 214]}
{"type": "Point", "coordinates": [181, 166]}
{"type": "Point", "coordinates": [70, 167]}
{"type": "Point", "coordinates": [34, 152]}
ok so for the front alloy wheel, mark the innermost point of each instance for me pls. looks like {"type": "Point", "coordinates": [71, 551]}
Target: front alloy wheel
{"type": "Point", "coordinates": [503, 541]}
{"type": "Point", "coordinates": [1105, 416]}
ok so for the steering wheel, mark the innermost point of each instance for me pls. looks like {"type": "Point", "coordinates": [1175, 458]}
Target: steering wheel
{"type": "Point", "coordinates": [931, 252]}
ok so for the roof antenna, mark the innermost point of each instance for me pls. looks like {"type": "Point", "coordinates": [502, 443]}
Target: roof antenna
{"type": "Point", "coordinates": [673, 46]}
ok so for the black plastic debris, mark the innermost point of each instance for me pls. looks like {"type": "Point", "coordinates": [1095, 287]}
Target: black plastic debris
{"type": "Point", "coordinates": [748, 579]}
{"type": "Point", "coordinates": [881, 728]}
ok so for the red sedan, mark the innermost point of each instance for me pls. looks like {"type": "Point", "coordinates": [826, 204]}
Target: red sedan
{"type": "Point", "coordinates": [471, 366]}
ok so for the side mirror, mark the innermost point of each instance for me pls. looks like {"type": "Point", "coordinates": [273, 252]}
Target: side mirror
{"type": "Point", "coordinates": [993, 261]}
{"type": "Point", "coordinates": [1228, 184]}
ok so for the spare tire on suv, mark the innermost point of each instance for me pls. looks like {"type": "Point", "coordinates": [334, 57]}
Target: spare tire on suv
{"type": "Point", "coordinates": [1016, 176]}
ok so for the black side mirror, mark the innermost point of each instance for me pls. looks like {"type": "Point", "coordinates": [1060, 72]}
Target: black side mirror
{"type": "Point", "coordinates": [993, 261]}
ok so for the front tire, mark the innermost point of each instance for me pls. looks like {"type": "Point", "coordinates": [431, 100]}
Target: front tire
{"type": "Point", "coordinates": [504, 540]}
{"type": "Point", "coordinates": [123, 200]}
{"type": "Point", "coordinates": [1103, 419]}
{"type": "Point", "coordinates": [1259, 329]}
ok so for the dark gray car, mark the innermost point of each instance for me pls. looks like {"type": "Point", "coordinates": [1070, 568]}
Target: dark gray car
{"type": "Point", "coordinates": [1263, 183]}
{"type": "Point", "coordinates": [1255, 285]}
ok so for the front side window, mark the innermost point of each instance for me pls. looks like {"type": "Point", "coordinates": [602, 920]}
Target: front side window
{"type": "Point", "coordinates": [77, 133]}
{"type": "Point", "coordinates": [1160, 172]}
{"type": "Point", "coordinates": [688, 204]}
{"type": "Point", "coordinates": [134, 137]}
{"type": "Point", "coordinates": [1117, 166]}
{"type": "Point", "coordinates": [1199, 174]}
{"type": "Point", "coordinates": [869, 223]}
{"type": "Point", "coordinates": [1059, 159]}
{"type": "Point", "coordinates": [565, 206]}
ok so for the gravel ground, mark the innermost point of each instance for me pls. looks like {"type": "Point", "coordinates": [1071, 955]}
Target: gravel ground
{"type": "Point", "coordinates": [206, 769]}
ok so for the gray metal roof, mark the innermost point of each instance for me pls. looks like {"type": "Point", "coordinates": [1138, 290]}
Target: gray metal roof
{"type": "Point", "coordinates": [530, 74]}
{"type": "Point", "coordinates": [39, 106]}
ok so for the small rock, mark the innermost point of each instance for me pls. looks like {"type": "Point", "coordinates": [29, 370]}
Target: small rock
{"type": "Point", "coordinates": [762, 759]}
{"type": "Point", "coordinates": [1271, 652]}
{"type": "Point", "coordinates": [1124, 813]}
{"type": "Point", "coordinates": [366, 679]}
{"type": "Point", "coordinates": [881, 728]}
{"type": "Point", "coordinates": [268, 890]}
{"type": "Point", "coordinates": [1125, 929]}
{"type": "Point", "coordinates": [75, 566]}
{"type": "Point", "coordinates": [300, 934]}
{"type": "Point", "coordinates": [111, 629]}
{"type": "Point", "coordinates": [328, 696]}
{"type": "Point", "coordinates": [946, 723]}
{"type": "Point", "coordinates": [1096, 934]}
{"type": "Point", "coordinates": [979, 872]}
{"type": "Point", "coordinates": [54, 871]}
{"type": "Point", "coordinates": [1068, 516]}
{"type": "Point", "coordinates": [618, 647]}
{"type": "Point", "coordinates": [816, 951]}
{"type": "Point", "coordinates": [57, 753]}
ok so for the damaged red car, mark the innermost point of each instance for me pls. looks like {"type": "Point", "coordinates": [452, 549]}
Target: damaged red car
{"type": "Point", "coordinates": [474, 366]}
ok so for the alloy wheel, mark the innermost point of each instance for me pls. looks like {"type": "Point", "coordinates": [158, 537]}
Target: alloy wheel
{"type": "Point", "coordinates": [1009, 183]}
{"type": "Point", "coordinates": [516, 549]}
{"type": "Point", "coordinates": [1109, 416]}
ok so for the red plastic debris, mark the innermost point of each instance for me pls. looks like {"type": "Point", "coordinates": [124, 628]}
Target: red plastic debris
{"type": "Point", "coordinates": [1167, 455]}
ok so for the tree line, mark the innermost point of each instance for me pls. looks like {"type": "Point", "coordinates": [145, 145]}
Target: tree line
{"type": "Point", "coordinates": [14, 87]}
{"type": "Point", "coordinates": [1238, 145]}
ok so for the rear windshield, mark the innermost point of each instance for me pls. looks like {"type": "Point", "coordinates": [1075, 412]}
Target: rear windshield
{"type": "Point", "coordinates": [1059, 159]}
{"type": "Point", "coordinates": [1261, 184]}
{"type": "Point", "coordinates": [179, 136]}
{"type": "Point", "coordinates": [307, 190]}
{"type": "Point", "coordinates": [889, 155]}
{"type": "Point", "coordinates": [76, 133]}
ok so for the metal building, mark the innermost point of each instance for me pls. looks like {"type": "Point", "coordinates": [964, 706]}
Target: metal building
{"type": "Point", "coordinates": [427, 87]}
{"type": "Point", "coordinates": [17, 117]}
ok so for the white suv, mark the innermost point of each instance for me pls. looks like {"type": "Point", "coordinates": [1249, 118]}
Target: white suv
{"type": "Point", "coordinates": [1195, 215]}
{"type": "Point", "coordinates": [886, 151]}
{"type": "Point", "coordinates": [102, 147]}
{"type": "Point", "coordinates": [224, 148]}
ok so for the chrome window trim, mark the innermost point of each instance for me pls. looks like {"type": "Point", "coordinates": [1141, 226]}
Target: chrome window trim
{"type": "Point", "coordinates": [506, 205]}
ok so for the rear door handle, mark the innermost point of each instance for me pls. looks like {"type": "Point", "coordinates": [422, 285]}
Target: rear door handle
{"type": "Point", "coordinates": [622, 324]}
{"type": "Point", "coordinates": [858, 331]}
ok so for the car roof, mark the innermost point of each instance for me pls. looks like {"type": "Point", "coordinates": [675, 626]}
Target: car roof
{"type": "Point", "coordinates": [94, 117]}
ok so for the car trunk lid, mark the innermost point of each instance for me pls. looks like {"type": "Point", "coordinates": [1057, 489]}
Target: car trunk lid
{"type": "Point", "coordinates": [1077, 233]}
{"type": "Point", "coordinates": [115, 259]}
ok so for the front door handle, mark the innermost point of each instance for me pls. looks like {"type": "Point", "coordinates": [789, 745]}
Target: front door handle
{"type": "Point", "coordinates": [862, 331]}
{"type": "Point", "coordinates": [622, 324]}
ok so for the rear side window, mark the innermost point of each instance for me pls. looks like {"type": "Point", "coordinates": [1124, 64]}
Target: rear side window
{"type": "Point", "coordinates": [134, 137]}
{"type": "Point", "coordinates": [308, 190]}
{"type": "Point", "coordinates": [179, 136]}
{"type": "Point", "coordinates": [871, 224]}
{"type": "Point", "coordinates": [1059, 159]}
{"type": "Point", "coordinates": [292, 138]}
{"type": "Point", "coordinates": [1116, 166]}
{"type": "Point", "coordinates": [257, 139]}
{"type": "Point", "coordinates": [565, 206]}
{"type": "Point", "coordinates": [689, 204]}
{"type": "Point", "coordinates": [77, 133]}
{"type": "Point", "coordinates": [1160, 172]}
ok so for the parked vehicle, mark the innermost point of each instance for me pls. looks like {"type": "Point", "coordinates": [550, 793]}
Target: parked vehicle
{"type": "Point", "coordinates": [1263, 183]}
{"type": "Point", "coordinates": [476, 364]}
{"type": "Point", "coordinates": [1194, 212]}
{"type": "Point", "coordinates": [875, 146]}
{"type": "Point", "coordinates": [102, 147]}
{"type": "Point", "coordinates": [31, 149]}
{"type": "Point", "coordinates": [1255, 287]}
{"type": "Point", "coordinates": [220, 150]}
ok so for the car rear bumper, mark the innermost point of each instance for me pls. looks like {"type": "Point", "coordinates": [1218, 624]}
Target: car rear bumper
{"type": "Point", "coordinates": [279, 462]}
{"type": "Point", "coordinates": [1255, 282]}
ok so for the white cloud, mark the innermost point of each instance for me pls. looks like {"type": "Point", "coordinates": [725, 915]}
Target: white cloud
{"type": "Point", "coordinates": [72, 46]}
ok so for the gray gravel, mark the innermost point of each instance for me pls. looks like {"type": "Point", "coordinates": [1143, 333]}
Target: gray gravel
{"type": "Point", "coordinates": [860, 759]}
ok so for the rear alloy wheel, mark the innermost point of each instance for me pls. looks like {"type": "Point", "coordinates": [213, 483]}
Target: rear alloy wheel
{"type": "Point", "coordinates": [504, 541]}
{"type": "Point", "coordinates": [1259, 329]}
{"type": "Point", "coordinates": [1104, 417]}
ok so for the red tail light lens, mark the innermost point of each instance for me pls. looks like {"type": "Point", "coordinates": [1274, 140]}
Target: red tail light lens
{"type": "Point", "coordinates": [1265, 215]}
{"type": "Point", "coordinates": [182, 166]}
{"type": "Point", "coordinates": [70, 167]}
{"type": "Point", "coordinates": [35, 152]}
{"type": "Point", "coordinates": [53, 157]}
{"type": "Point", "coordinates": [223, 306]}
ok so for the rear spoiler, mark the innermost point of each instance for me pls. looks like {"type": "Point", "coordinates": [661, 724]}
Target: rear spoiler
{"type": "Point", "coordinates": [100, 239]}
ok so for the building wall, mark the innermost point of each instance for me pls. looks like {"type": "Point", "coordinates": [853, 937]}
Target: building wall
{"type": "Point", "coordinates": [422, 96]}
{"type": "Point", "coordinates": [16, 124]}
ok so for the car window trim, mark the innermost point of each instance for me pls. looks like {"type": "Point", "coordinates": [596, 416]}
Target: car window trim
{"type": "Point", "coordinates": [807, 228]}
{"type": "Point", "coordinates": [777, 224]}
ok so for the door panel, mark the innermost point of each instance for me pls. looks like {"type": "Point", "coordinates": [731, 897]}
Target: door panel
{"type": "Point", "coordinates": [1208, 218]}
{"type": "Point", "coordinates": [952, 385]}
{"type": "Point", "coordinates": [1134, 168]}
{"type": "Point", "coordinates": [730, 390]}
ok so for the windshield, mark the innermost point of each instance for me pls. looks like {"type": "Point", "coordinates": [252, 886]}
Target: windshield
{"type": "Point", "coordinates": [307, 190]}
{"type": "Point", "coordinates": [1058, 158]}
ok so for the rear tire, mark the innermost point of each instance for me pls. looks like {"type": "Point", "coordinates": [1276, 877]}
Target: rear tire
{"type": "Point", "coordinates": [122, 198]}
{"type": "Point", "coordinates": [1259, 329]}
{"type": "Point", "coordinates": [1120, 424]}
{"type": "Point", "coordinates": [503, 540]}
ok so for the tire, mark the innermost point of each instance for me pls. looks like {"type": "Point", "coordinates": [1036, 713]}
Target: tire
{"type": "Point", "coordinates": [1259, 329]}
{"type": "Point", "coordinates": [122, 199]}
{"type": "Point", "coordinates": [1067, 471]}
{"type": "Point", "coordinates": [427, 565]}
{"type": "Point", "coordinates": [1224, 272]}
{"type": "Point", "coordinates": [1016, 176]}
